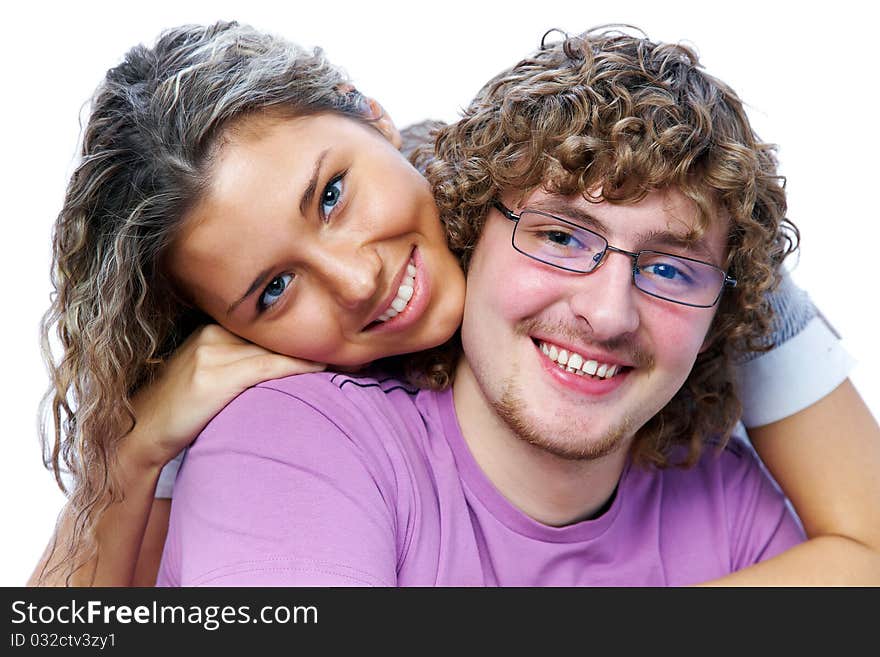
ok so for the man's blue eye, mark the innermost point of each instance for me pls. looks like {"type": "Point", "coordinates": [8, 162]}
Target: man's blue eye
{"type": "Point", "coordinates": [563, 238]}
{"type": "Point", "coordinates": [274, 290]}
{"type": "Point", "coordinates": [330, 196]}
{"type": "Point", "coordinates": [667, 271]}
{"type": "Point", "coordinates": [664, 271]}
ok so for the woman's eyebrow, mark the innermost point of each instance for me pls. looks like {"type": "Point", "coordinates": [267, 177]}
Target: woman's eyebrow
{"type": "Point", "coordinates": [309, 192]}
{"type": "Point", "coordinates": [258, 282]}
{"type": "Point", "coordinates": [304, 202]}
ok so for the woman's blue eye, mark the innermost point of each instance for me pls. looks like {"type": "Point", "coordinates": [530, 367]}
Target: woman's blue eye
{"type": "Point", "coordinates": [330, 196]}
{"type": "Point", "coordinates": [274, 290]}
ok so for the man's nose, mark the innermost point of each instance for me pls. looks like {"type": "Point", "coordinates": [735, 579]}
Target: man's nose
{"type": "Point", "coordinates": [606, 298]}
{"type": "Point", "coordinates": [354, 276]}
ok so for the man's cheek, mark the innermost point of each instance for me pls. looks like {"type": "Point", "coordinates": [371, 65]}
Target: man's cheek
{"type": "Point", "coordinates": [677, 344]}
{"type": "Point", "coordinates": [526, 291]}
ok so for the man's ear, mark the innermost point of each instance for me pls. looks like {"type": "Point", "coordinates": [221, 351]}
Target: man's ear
{"type": "Point", "coordinates": [384, 123]}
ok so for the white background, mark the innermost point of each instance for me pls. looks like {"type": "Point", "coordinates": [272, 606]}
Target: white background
{"type": "Point", "coordinates": [807, 74]}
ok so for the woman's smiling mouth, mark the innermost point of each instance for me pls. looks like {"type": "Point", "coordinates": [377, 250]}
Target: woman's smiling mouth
{"type": "Point", "coordinates": [411, 297]}
{"type": "Point", "coordinates": [404, 293]}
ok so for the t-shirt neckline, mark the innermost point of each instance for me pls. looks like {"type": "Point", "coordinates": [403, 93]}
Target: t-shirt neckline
{"type": "Point", "coordinates": [484, 492]}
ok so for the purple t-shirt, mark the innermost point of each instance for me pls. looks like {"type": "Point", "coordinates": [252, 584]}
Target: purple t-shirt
{"type": "Point", "coordinates": [329, 480]}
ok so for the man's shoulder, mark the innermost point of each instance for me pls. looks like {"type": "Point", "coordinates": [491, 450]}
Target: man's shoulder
{"type": "Point", "coordinates": [727, 482]}
{"type": "Point", "coordinates": [722, 465]}
{"type": "Point", "coordinates": [325, 402]}
{"type": "Point", "coordinates": [734, 459]}
{"type": "Point", "coordinates": [340, 388]}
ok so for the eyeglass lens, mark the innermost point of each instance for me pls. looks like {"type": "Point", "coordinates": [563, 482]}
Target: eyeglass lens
{"type": "Point", "coordinates": [566, 245]}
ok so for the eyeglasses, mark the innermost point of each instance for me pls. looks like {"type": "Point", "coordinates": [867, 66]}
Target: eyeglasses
{"type": "Point", "coordinates": [569, 246]}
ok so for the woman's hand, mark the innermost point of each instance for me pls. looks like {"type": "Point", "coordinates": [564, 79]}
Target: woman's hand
{"type": "Point", "coordinates": [206, 372]}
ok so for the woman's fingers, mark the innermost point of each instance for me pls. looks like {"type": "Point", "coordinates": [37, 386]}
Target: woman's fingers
{"type": "Point", "coordinates": [215, 334]}
{"type": "Point", "coordinates": [209, 356]}
{"type": "Point", "coordinates": [209, 370]}
{"type": "Point", "coordinates": [253, 369]}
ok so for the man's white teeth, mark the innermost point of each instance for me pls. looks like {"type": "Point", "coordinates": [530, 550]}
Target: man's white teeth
{"type": "Point", "coordinates": [577, 364]}
{"type": "Point", "coordinates": [404, 294]}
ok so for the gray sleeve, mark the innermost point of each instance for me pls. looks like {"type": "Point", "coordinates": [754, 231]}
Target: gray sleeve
{"type": "Point", "coordinates": [806, 363]}
{"type": "Point", "coordinates": [418, 143]}
{"type": "Point", "coordinates": [792, 311]}
{"type": "Point", "coordinates": [165, 486]}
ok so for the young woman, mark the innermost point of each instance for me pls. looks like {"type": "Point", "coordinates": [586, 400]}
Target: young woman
{"type": "Point", "coordinates": [166, 227]}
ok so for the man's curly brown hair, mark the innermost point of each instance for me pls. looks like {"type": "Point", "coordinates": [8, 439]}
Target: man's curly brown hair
{"type": "Point", "coordinates": [615, 111]}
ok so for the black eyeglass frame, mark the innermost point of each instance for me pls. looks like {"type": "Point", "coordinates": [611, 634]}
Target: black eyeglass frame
{"type": "Point", "coordinates": [728, 281]}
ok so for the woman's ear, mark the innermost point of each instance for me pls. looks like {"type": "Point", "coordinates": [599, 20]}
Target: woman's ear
{"type": "Point", "coordinates": [384, 123]}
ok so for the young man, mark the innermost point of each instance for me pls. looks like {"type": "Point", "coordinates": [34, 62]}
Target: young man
{"type": "Point", "coordinates": [602, 237]}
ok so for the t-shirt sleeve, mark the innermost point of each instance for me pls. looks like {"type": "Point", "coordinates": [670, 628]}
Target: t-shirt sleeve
{"type": "Point", "coordinates": [761, 522]}
{"type": "Point", "coordinates": [806, 363]}
{"type": "Point", "coordinates": [274, 493]}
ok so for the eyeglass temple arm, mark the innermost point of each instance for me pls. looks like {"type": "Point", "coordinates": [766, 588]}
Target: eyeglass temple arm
{"type": "Point", "coordinates": [507, 213]}
{"type": "Point", "coordinates": [729, 281]}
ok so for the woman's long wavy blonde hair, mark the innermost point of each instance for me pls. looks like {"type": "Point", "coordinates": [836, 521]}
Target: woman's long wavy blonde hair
{"type": "Point", "coordinates": [617, 111]}
{"type": "Point", "coordinates": [147, 149]}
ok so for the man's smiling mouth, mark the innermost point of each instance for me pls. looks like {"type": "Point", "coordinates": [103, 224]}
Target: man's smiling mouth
{"type": "Point", "coordinates": [575, 363]}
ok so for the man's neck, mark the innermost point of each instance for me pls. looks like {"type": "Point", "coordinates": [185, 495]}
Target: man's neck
{"type": "Point", "coordinates": [553, 490]}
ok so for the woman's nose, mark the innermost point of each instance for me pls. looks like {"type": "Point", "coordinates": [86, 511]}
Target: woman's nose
{"type": "Point", "coordinates": [354, 277]}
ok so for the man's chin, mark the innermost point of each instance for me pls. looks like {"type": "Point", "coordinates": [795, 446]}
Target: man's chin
{"type": "Point", "coordinates": [578, 440]}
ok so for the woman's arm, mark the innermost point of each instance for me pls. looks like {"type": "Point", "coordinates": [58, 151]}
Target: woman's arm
{"type": "Point", "coordinates": [820, 442]}
{"type": "Point", "coordinates": [118, 533]}
{"type": "Point", "coordinates": [826, 458]}
{"type": "Point", "coordinates": [210, 369]}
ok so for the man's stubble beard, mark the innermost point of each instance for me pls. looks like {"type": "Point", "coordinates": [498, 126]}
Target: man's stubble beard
{"type": "Point", "coordinates": [510, 406]}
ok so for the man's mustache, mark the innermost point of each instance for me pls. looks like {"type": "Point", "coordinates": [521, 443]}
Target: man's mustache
{"type": "Point", "coordinates": [624, 346]}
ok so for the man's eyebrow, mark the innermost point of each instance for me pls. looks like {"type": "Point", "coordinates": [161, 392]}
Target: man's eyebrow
{"type": "Point", "coordinates": [694, 245]}
{"type": "Point", "coordinates": [664, 238]}
{"type": "Point", "coordinates": [258, 282]}
{"type": "Point", "coordinates": [569, 211]}
{"type": "Point", "coordinates": [309, 192]}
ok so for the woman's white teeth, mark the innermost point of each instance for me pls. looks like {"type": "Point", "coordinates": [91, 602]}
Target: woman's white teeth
{"type": "Point", "coordinates": [577, 364]}
{"type": "Point", "coordinates": [404, 294]}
